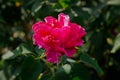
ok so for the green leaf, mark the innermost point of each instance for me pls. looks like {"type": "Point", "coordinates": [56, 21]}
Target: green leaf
{"type": "Point", "coordinates": [67, 68]}
{"type": "Point", "coordinates": [1, 64]}
{"type": "Point", "coordinates": [2, 75]}
{"type": "Point", "coordinates": [92, 62]}
{"type": "Point", "coordinates": [97, 42]}
{"type": "Point", "coordinates": [47, 76]}
{"type": "Point", "coordinates": [12, 67]}
{"type": "Point", "coordinates": [1, 19]}
{"type": "Point", "coordinates": [80, 72]}
{"type": "Point", "coordinates": [113, 2]}
{"type": "Point", "coordinates": [64, 3]}
{"type": "Point", "coordinates": [37, 5]}
{"type": "Point", "coordinates": [63, 59]}
{"type": "Point", "coordinates": [22, 49]}
{"type": "Point", "coordinates": [7, 55]}
{"type": "Point", "coordinates": [31, 69]}
{"type": "Point", "coordinates": [60, 74]}
{"type": "Point", "coordinates": [39, 51]}
{"type": "Point", "coordinates": [71, 60]}
{"type": "Point", "coordinates": [76, 78]}
{"type": "Point", "coordinates": [116, 44]}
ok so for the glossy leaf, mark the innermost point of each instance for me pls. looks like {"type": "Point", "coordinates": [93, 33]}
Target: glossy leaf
{"type": "Point", "coordinates": [116, 44]}
{"type": "Point", "coordinates": [115, 2]}
{"type": "Point", "coordinates": [64, 3]}
{"type": "Point", "coordinates": [61, 74]}
{"type": "Point", "coordinates": [67, 68]}
{"type": "Point", "coordinates": [92, 62]}
{"type": "Point", "coordinates": [76, 78]}
{"type": "Point", "coordinates": [22, 49]}
{"type": "Point", "coordinates": [80, 72]}
{"type": "Point", "coordinates": [31, 69]}
{"type": "Point", "coordinates": [39, 51]}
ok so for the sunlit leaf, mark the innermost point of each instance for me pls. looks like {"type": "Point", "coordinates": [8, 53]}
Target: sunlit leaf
{"type": "Point", "coordinates": [116, 44]}
{"type": "Point", "coordinates": [67, 68]}
{"type": "Point", "coordinates": [64, 3]}
{"type": "Point", "coordinates": [2, 75]}
{"type": "Point", "coordinates": [71, 60]}
{"type": "Point", "coordinates": [22, 49]}
{"type": "Point", "coordinates": [113, 2]}
{"type": "Point", "coordinates": [7, 55]}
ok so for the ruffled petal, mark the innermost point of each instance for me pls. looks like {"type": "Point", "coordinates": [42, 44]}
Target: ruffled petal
{"type": "Point", "coordinates": [41, 29]}
{"type": "Point", "coordinates": [61, 34]}
{"type": "Point", "coordinates": [51, 21]}
{"type": "Point", "coordinates": [37, 40]}
{"type": "Point", "coordinates": [63, 19]}
{"type": "Point", "coordinates": [53, 56]}
{"type": "Point", "coordinates": [79, 43]}
{"type": "Point", "coordinates": [58, 37]}
{"type": "Point", "coordinates": [70, 52]}
{"type": "Point", "coordinates": [77, 29]}
{"type": "Point", "coordinates": [37, 25]}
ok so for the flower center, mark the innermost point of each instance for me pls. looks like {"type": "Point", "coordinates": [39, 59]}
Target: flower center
{"type": "Point", "coordinates": [50, 40]}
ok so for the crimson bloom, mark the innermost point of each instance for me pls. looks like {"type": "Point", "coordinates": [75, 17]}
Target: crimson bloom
{"type": "Point", "coordinates": [58, 36]}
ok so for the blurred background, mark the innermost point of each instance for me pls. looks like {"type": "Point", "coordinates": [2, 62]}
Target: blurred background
{"type": "Point", "coordinates": [100, 18]}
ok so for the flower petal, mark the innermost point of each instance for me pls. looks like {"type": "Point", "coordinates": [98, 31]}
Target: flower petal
{"type": "Point", "coordinates": [53, 56]}
{"type": "Point", "coordinates": [63, 19]}
{"type": "Point", "coordinates": [51, 20]}
{"type": "Point", "coordinates": [58, 37]}
{"type": "Point", "coordinates": [77, 29]}
{"type": "Point", "coordinates": [62, 34]}
{"type": "Point", "coordinates": [37, 25]}
{"type": "Point", "coordinates": [70, 52]}
{"type": "Point", "coordinates": [79, 43]}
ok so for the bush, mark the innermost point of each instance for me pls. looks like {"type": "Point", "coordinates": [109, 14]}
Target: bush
{"type": "Point", "coordinates": [97, 59]}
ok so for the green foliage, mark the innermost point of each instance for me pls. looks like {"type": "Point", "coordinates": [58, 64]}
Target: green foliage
{"type": "Point", "coordinates": [116, 44]}
{"type": "Point", "coordinates": [22, 49]}
{"type": "Point", "coordinates": [81, 72]}
{"type": "Point", "coordinates": [31, 69]}
{"type": "Point", "coordinates": [67, 68]}
{"type": "Point", "coordinates": [64, 3]}
{"type": "Point", "coordinates": [20, 60]}
{"type": "Point", "coordinates": [91, 62]}
{"type": "Point", "coordinates": [39, 51]}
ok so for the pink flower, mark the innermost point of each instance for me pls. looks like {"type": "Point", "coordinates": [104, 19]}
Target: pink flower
{"type": "Point", "coordinates": [58, 37]}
